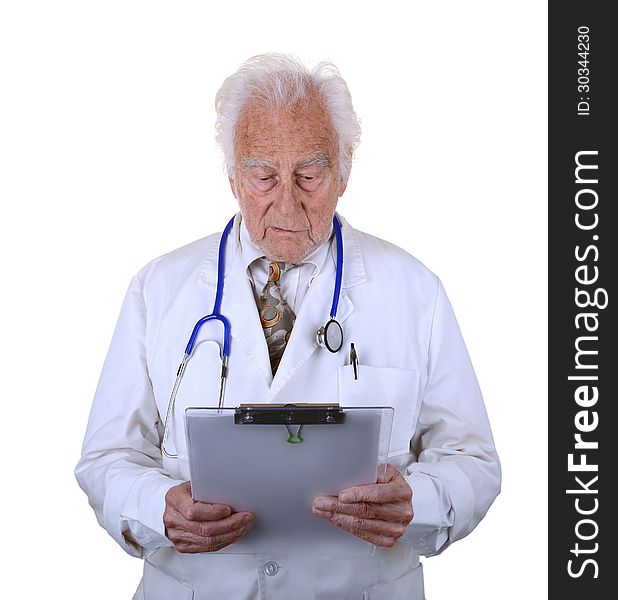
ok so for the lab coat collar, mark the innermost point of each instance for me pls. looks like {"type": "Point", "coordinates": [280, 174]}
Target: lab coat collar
{"type": "Point", "coordinates": [353, 263]}
{"type": "Point", "coordinates": [238, 305]}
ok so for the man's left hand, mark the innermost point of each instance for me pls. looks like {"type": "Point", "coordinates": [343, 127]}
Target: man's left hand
{"type": "Point", "coordinates": [378, 513]}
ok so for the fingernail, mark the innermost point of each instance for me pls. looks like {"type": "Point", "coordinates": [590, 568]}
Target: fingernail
{"type": "Point", "coordinates": [324, 504]}
{"type": "Point", "coordinates": [247, 519]}
{"type": "Point", "coordinates": [346, 497]}
{"type": "Point", "coordinates": [321, 513]}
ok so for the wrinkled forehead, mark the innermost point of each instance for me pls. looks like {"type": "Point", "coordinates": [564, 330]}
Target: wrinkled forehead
{"type": "Point", "coordinates": [277, 134]}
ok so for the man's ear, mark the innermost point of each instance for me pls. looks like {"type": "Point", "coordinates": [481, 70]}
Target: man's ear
{"type": "Point", "coordinates": [342, 186]}
{"type": "Point", "coordinates": [232, 185]}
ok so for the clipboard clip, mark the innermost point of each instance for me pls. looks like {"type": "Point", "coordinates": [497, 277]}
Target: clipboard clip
{"type": "Point", "coordinates": [289, 415]}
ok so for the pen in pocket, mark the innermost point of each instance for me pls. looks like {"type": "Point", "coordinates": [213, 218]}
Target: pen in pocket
{"type": "Point", "coordinates": [354, 360]}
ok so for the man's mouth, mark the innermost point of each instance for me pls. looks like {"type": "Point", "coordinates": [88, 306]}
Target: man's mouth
{"type": "Point", "coordinates": [283, 230]}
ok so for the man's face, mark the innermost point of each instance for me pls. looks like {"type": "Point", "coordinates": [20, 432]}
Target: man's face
{"type": "Point", "coordinates": [287, 179]}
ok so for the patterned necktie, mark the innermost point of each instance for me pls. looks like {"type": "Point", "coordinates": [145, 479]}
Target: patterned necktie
{"type": "Point", "coordinates": [276, 316]}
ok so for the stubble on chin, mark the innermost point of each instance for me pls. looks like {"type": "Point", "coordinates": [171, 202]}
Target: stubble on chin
{"type": "Point", "coordinates": [286, 250]}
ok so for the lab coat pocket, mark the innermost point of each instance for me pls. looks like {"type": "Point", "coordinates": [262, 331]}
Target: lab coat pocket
{"type": "Point", "coordinates": [410, 585]}
{"type": "Point", "coordinates": [384, 386]}
{"type": "Point", "coordinates": [158, 585]}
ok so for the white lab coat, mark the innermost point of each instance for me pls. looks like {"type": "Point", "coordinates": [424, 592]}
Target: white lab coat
{"type": "Point", "coordinates": [411, 356]}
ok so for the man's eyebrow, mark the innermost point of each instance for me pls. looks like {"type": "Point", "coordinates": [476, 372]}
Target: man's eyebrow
{"type": "Point", "coordinates": [319, 160]}
{"type": "Point", "coordinates": [256, 163]}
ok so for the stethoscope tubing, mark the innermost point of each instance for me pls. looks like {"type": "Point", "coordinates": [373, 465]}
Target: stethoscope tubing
{"type": "Point", "coordinates": [216, 311]}
{"type": "Point", "coordinates": [339, 268]}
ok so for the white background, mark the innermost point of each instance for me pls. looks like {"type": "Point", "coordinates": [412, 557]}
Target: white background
{"type": "Point", "coordinates": [107, 159]}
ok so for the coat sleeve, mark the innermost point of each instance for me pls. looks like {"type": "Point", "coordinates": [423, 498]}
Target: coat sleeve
{"type": "Point", "coordinates": [457, 473]}
{"type": "Point", "coordinates": [121, 467]}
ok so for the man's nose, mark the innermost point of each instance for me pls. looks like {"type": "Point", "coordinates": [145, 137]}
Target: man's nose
{"type": "Point", "coordinates": [287, 201]}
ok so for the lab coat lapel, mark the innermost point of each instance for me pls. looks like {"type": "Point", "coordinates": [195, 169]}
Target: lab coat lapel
{"type": "Point", "coordinates": [316, 306]}
{"type": "Point", "coordinates": [313, 314]}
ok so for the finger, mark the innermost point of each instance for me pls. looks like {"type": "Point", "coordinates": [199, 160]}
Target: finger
{"type": "Point", "coordinates": [243, 532]}
{"type": "Point", "coordinates": [202, 511]}
{"type": "Point", "coordinates": [179, 497]}
{"type": "Point", "coordinates": [368, 536]}
{"type": "Point", "coordinates": [359, 527]}
{"type": "Point", "coordinates": [393, 491]}
{"type": "Point", "coordinates": [388, 474]}
{"type": "Point", "coordinates": [212, 541]}
{"type": "Point", "coordinates": [398, 512]}
{"type": "Point", "coordinates": [175, 520]}
{"type": "Point", "coordinates": [234, 522]}
{"type": "Point", "coordinates": [231, 524]}
{"type": "Point", "coordinates": [188, 542]}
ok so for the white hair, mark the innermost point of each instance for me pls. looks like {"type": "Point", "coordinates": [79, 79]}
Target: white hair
{"type": "Point", "coordinates": [282, 81]}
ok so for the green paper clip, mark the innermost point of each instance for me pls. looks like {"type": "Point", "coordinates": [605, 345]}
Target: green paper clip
{"type": "Point", "coordinates": [294, 438]}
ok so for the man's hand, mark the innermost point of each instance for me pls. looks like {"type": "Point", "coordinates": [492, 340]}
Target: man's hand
{"type": "Point", "coordinates": [200, 527]}
{"type": "Point", "coordinates": [378, 513]}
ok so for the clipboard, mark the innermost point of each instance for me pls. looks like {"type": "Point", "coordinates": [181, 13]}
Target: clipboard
{"type": "Point", "coordinates": [273, 460]}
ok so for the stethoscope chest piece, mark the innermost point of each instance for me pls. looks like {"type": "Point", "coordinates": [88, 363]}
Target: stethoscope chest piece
{"type": "Point", "coordinates": [330, 336]}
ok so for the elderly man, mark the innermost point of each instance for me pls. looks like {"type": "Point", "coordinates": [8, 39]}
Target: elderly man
{"type": "Point", "coordinates": [288, 135]}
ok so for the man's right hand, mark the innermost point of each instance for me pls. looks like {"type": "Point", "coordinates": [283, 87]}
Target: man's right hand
{"type": "Point", "coordinates": [200, 527]}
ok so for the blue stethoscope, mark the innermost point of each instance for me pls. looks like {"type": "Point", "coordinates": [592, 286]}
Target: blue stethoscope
{"type": "Point", "coordinates": [329, 335]}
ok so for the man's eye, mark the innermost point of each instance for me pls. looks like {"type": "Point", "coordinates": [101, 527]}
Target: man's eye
{"type": "Point", "coordinates": [264, 183]}
{"type": "Point", "coordinates": [309, 183]}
